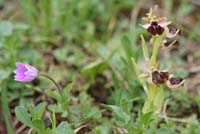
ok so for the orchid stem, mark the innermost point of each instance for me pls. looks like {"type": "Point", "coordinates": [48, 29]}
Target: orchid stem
{"type": "Point", "coordinates": [157, 41]}
{"type": "Point", "coordinates": [54, 82]}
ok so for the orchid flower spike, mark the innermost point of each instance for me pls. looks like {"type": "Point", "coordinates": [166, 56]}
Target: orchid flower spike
{"type": "Point", "coordinates": [25, 72]}
{"type": "Point", "coordinates": [155, 25]}
{"type": "Point", "coordinates": [163, 77]}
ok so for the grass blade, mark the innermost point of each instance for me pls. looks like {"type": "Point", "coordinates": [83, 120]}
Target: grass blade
{"type": "Point", "coordinates": [5, 107]}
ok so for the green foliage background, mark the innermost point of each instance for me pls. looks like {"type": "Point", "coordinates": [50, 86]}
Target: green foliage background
{"type": "Point", "coordinates": [89, 43]}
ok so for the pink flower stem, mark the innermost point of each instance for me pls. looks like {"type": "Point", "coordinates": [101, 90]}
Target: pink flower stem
{"type": "Point", "coordinates": [54, 82]}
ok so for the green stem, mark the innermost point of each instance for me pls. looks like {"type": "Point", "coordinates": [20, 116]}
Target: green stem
{"type": "Point", "coordinates": [154, 100]}
{"type": "Point", "coordinates": [54, 82]}
{"type": "Point", "coordinates": [5, 107]}
{"type": "Point", "coordinates": [53, 122]}
{"type": "Point", "coordinates": [149, 105]}
{"type": "Point", "coordinates": [60, 92]}
{"type": "Point", "coordinates": [156, 45]}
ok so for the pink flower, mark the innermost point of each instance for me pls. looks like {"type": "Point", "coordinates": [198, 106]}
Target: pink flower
{"type": "Point", "coordinates": [25, 72]}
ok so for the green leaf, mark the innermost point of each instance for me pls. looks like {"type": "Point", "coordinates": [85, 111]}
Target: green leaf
{"type": "Point", "coordinates": [145, 48]}
{"type": "Point", "coordinates": [39, 126]}
{"type": "Point", "coordinates": [54, 94]}
{"type": "Point", "coordinates": [4, 74]}
{"type": "Point", "coordinates": [94, 113]}
{"type": "Point", "coordinates": [122, 118]}
{"type": "Point", "coordinates": [60, 54]}
{"type": "Point", "coordinates": [64, 128]}
{"type": "Point", "coordinates": [159, 98]}
{"type": "Point", "coordinates": [5, 106]}
{"type": "Point", "coordinates": [2, 2]}
{"type": "Point", "coordinates": [143, 122]}
{"type": "Point", "coordinates": [53, 122]}
{"type": "Point", "coordinates": [21, 26]}
{"type": "Point", "coordinates": [145, 119]}
{"type": "Point", "coordinates": [48, 131]}
{"type": "Point", "coordinates": [184, 10]}
{"type": "Point", "coordinates": [126, 44]}
{"type": "Point", "coordinates": [95, 67]}
{"type": "Point", "coordinates": [23, 116]}
{"type": "Point", "coordinates": [67, 89]}
{"type": "Point", "coordinates": [149, 102]}
{"type": "Point", "coordinates": [55, 108]}
{"type": "Point", "coordinates": [106, 128]}
{"type": "Point", "coordinates": [137, 71]}
{"type": "Point", "coordinates": [39, 111]}
{"type": "Point", "coordinates": [165, 131]}
{"type": "Point", "coordinates": [6, 28]}
{"type": "Point", "coordinates": [197, 99]}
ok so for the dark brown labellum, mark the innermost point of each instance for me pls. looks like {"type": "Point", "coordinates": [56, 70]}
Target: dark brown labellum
{"type": "Point", "coordinates": [155, 29]}
{"type": "Point", "coordinates": [159, 77]}
{"type": "Point", "coordinates": [175, 80]}
{"type": "Point", "coordinates": [164, 75]}
{"type": "Point", "coordinates": [156, 77]}
{"type": "Point", "coordinates": [173, 30]}
{"type": "Point", "coordinates": [169, 42]}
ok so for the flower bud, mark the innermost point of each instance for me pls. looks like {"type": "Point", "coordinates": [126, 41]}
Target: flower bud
{"type": "Point", "coordinates": [25, 72]}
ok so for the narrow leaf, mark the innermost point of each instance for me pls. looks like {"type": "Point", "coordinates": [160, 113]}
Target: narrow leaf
{"type": "Point", "coordinates": [67, 89]}
{"type": "Point", "coordinates": [122, 118]}
{"type": "Point", "coordinates": [39, 110]}
{"type": "Point", "coordinates": [137, 71]}
{"type": "Point", "coordinates": [95, 67]}
{"type": "Point", "coordinates": [63, 128]}
{"type": "Point", "coordinates": [5, 106]}
{"type": "Point", "coordinates": [39, 126]}
{"type": "Point", "coordinates": [145, 49]}
{"type": "Point", "coordinates": [126, 44]}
